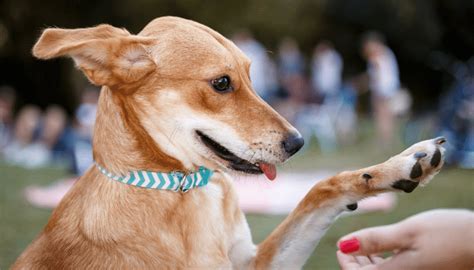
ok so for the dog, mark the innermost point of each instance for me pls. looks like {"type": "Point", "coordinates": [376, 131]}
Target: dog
{"type": "Point", "coordinates": [176, 113]}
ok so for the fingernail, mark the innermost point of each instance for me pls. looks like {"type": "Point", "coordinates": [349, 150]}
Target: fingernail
{"type": "Point", "coordinates": [349, 246]}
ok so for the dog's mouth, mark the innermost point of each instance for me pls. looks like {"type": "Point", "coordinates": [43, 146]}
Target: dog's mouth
{"type": "Point", "coordinates": [235, 162]}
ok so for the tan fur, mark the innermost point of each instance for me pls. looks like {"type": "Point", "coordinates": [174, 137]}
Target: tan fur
{"type": "Point", "coordinates": [156, 91]}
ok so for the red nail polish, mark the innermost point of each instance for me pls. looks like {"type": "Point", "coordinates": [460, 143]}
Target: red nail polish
{"type": "Point", "coordinates": [349, 246]}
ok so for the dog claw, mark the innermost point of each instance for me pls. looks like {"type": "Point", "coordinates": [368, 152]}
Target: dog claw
{"type": "Point", "coordinates": [440, 140]}
{"type": "Point", "coordinates": [420, 155]}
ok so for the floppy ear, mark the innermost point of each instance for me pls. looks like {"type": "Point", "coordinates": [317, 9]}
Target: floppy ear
{"type": "Point", "coordinates": [106, 54]}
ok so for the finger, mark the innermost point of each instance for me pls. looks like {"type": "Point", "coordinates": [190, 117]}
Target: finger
{"type": "Point", "coordinates": [349, 262]}
{"type": "Point", "coordinates": [363, 260]}
{"type": "Point", "coordinates": [346, 261]}
{"type": "Point", "coordinates": [375, 240]}
{"type": "Point", "coordinates": [402, 260]}
{"type": "Point", "coordinates": [376, 259]}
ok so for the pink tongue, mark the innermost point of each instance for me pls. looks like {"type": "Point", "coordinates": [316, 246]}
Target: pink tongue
{"type": "Point", "coordinates": [269, 170]}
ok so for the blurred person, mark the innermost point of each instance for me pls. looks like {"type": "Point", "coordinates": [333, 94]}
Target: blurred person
{"type": "Point", "coordinates": [291, 69]}
{"type": "Point", "coordinates": [436, 239]}
{"type": "Point", "coordinates": [292, 79]}
{"type": "Point", "coordinates": [337, 98]}
{"type": "Point", "coordinates": [384, 83]}
{"type": "Point", "coordinates": [24, 150]}
{"type": "Point", "coordinates": [52, 132]}
{"type": "Point", "coordinates": [273, 85]}
{"type": "Point", "coordinates": [262, 68]}
{"type": "Point", "coordinates": [326, 70]}
{"type": "Point", "coordinates": [36, 137]}
{"type": "Point", "coordinates": [346, 120]}
{"type": "Point", "coordinates": [83, 129]}
{"type": "Point", "coordinates": [7, 103]}
{"type": "Point", "coordinates": [78, 145]}
{"type": "Point", "coordinates": [332, 117]}
{"type": "Point", "coordinates": [331, 122]}
{"type": "Point", "coordinates": [290, 59]}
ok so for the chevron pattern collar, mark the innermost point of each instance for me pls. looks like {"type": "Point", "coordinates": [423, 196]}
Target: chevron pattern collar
{"type": "Point", "coordinates": [174, 181]}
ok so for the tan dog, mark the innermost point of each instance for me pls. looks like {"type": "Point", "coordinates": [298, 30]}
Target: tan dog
{"type": "Point", "coordinates": [175, 97]}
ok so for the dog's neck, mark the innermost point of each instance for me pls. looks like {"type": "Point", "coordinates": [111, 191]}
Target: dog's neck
{"type": "Point", "coordinates": [120, 143]}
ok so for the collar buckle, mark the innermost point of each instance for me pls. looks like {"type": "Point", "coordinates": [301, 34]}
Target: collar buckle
{"type": "Point", "coordinates": [182, 184]}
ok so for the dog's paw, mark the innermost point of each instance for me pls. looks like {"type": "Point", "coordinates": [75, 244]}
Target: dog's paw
{"type": "Point", "coordinates": [415, 166]}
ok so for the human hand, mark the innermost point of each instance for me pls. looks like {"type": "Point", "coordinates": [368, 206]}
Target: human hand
{"type": "Point", "coordinates": [437, 239]}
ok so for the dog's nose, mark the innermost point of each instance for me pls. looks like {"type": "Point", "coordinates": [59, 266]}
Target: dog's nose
{"type": "Point", "coordinates": [293, 143]}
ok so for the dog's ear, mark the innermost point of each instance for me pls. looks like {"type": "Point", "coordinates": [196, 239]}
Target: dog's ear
{"type": "Point", "coordinates": [106, 54]}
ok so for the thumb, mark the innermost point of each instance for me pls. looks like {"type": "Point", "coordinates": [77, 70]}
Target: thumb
{"type": "Point", "coordinates": [376, 240]}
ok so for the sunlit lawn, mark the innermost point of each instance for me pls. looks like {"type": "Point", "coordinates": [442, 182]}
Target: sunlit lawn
{"type": "Point", "coordinates": [20, 223]}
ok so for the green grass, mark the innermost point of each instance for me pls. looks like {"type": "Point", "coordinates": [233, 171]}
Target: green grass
{"type": "Point", "coordinates": [20, 223]}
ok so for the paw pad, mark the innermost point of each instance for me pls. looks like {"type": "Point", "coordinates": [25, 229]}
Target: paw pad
{"type": "Point", "coordinates": [416, 171]}
{"type": "Point", "coordinates": [352, 206]}
{"type": "Point", "coordinates": [405, 185]}
{"type": "Point", "coordinates": [436, 159]}
{"type": "Point", "coordinates": [367, 177]}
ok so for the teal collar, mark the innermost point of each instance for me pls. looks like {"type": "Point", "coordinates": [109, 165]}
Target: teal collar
{"type": "Point", "coordinates": [174, 181]}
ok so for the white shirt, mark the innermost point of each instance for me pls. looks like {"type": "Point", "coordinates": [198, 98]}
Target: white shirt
{"type": "Point", "coordinates": [261, 68]}
{"type": "Point", "coordinates": [326, 72]}
{"type": "Point", "coordinates": [383, 74]}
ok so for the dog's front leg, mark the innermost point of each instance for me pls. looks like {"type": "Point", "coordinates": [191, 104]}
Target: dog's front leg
{"type": "Point", "coordinates": [292, 242]}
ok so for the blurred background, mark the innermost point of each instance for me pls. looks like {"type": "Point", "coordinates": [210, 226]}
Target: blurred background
{"type": "Point", "coordinates": [360, 79]}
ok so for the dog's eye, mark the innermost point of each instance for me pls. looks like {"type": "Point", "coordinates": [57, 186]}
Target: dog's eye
{"type": "Point", "coordinates": [222, 84]}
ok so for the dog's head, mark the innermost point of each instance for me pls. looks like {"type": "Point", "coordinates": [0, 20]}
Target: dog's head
{"type": "Point", "coordinates": [191, 88]}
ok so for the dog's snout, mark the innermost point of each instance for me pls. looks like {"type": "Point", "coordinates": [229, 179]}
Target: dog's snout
{"type": "Point", "coordinates": [293, 143]}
